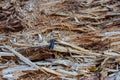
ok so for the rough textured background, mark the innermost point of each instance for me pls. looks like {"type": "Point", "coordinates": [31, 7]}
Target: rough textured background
{"type": "Point", "coordinates": [87, 34]}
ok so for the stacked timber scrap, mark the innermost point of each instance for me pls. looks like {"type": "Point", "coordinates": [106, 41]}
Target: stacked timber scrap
{"type": "Point", "coordinates": [60, 39]}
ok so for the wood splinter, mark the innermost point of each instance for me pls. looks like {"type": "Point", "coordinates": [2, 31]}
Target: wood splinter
{"type": "Point", "coordinates": [22, 58]}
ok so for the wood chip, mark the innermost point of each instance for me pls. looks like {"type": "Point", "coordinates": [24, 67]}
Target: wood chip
{"type": "Point", "coordinates": [52, 71]}
{"type": "Point", "coordinates": [6, 54]}
{"type": "Point", "coordinates": [22, 58]}
{"type": "Point", "coordinates": [73, 46]}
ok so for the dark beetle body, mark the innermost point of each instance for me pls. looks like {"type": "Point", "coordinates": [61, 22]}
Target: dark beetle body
{"type": "Point", "coordinates": [52, 43]}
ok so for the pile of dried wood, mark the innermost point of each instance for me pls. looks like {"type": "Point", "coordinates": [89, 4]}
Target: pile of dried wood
{"type": "Point", "coordinates": [59, 39]}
